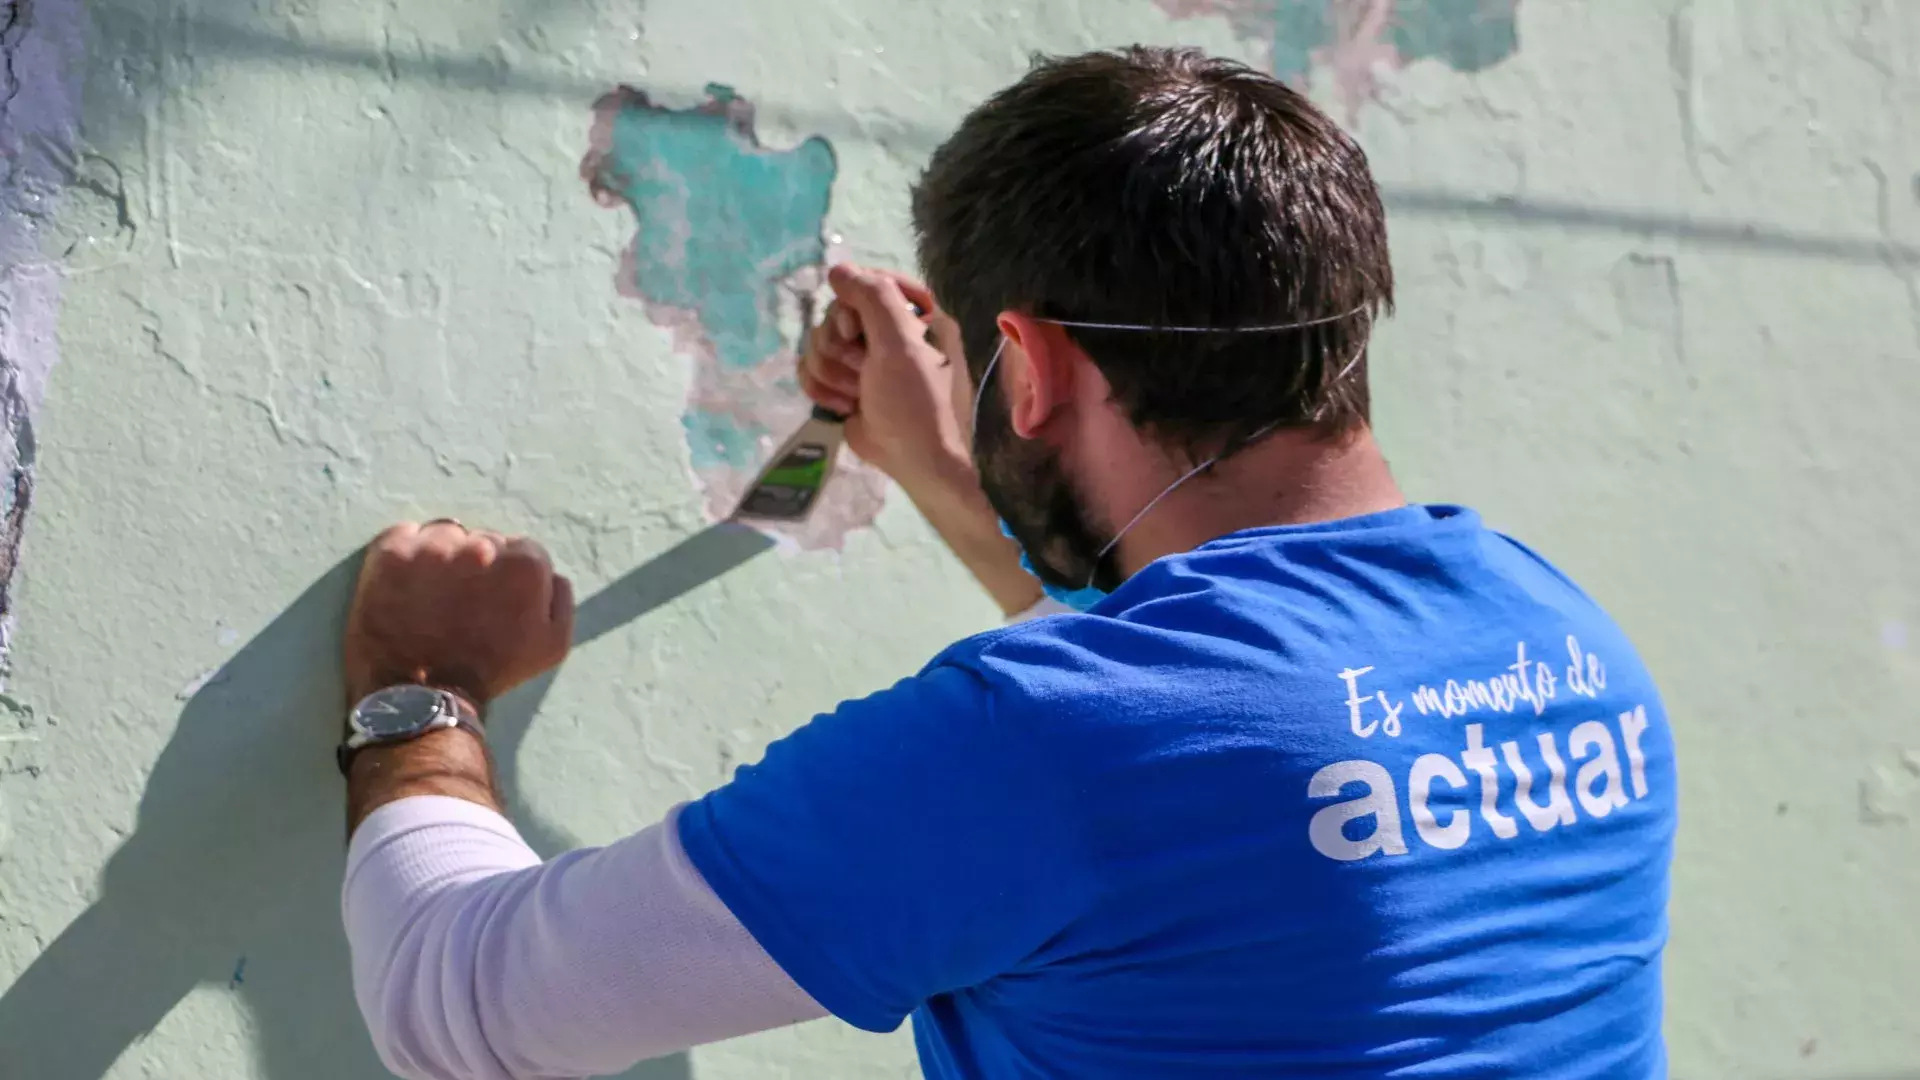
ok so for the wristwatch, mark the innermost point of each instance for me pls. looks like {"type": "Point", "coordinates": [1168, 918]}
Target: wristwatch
{"type": "Point", "coordinates": [400, 714]}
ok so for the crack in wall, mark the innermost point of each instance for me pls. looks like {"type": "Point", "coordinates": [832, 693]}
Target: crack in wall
{"type": "Point", "coordinates": [13, 27]}
{"type": "Point", "coordinates": [16, 499]}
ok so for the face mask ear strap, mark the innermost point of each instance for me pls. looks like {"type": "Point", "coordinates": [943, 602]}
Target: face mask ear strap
{"type": "Point", "coordinates": [980, 392]}
{"type": "Point", "coordinates": [1209, 329]}
{"type": "Point", "coordinates": [1170, 489]}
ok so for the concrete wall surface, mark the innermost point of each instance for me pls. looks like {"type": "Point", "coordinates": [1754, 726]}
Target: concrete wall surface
{"type": "Point", "coordinates": [277, 272]}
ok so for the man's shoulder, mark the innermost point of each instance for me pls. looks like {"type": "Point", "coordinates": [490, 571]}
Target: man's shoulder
{"type": "Point", "coordinates": [1037, 656]}
{"type": "Point", "coordinates": [1206, 621]}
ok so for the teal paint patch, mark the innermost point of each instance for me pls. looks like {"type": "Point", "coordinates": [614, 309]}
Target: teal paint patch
{"type": "Point", "coordinates": [716, 439]}
{"type": "Point", "coordinates": [721, 219]}
{"type": "Point", "coordinates": [1300, 28]}
{"type": "Point", "coordinates": [1466, 35]}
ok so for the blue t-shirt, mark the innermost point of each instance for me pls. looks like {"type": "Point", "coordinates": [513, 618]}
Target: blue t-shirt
{"type": "Point", "coordinates": [1381, 797]}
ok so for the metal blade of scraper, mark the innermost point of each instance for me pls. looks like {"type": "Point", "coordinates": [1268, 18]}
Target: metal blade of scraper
{"type": "Point", "coordinates": [789, 487]}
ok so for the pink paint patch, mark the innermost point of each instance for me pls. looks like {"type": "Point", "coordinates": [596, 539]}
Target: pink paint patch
{"type": "Point", "coordinates": [1250, 19]}
{"type": "Point", "coordinates": [1194, 9]}
{"type": "Point", "coordinates": [1360, 50]}
{"type": "Point", "coordinates": [1358, 45]}
{"type": "Point", "coordinates": [766, 398]}
{"type": "Point", "coordinates": [851, 501]}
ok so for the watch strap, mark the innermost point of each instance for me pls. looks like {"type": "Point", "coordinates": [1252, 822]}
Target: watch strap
{"type": "Point", "coordinates": [344, 754]}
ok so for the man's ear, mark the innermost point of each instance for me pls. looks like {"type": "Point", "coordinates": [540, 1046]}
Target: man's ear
{"type": "Point", "coordinates": [1038, 371]}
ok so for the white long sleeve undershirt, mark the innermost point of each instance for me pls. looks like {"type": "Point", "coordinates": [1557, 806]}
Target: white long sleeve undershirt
{"type": "Point", "coordinates": [473, 960]}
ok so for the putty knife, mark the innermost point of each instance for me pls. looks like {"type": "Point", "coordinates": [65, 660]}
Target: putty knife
{"type": "Point", "coordinates": [787, 489]}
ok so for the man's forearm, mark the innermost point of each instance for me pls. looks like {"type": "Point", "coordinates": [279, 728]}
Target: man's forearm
{"type": "Point", "coordinates": [450, 762]}
{"type": "Point", "coordinates": [948, 494]}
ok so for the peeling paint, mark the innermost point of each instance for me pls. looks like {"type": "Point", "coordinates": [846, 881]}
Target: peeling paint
{"type": "Point", "coordinates": [1890, 794]}
{"type": "Point", "coordinates": [1355, 39]}
{"type": "Point", "coordinates": [726, 228]}
{"type": "Point", "coordinates": [40, 49]}
{"type": "Point", "coordinates": [196, 684]}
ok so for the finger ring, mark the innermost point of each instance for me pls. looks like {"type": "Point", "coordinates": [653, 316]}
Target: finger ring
{"type": "Point", "coordinates": [444, 521]}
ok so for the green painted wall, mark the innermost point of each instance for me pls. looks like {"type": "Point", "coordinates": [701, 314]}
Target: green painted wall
{"type": "Point", "coordinates": [317, 266]}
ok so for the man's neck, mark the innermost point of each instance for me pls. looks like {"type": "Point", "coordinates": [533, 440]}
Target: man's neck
{"type": "Point", "coordinates": [1291, 478]}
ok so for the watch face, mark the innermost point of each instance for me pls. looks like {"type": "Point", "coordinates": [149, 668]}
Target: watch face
{"type": "Point", "coordinates": [397, 710]}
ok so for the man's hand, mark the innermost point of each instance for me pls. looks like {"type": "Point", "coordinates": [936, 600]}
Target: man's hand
{"type": "Point", "coordinates": [461, 609]}
{"type": "Point", "coordinates": [870, 360]}
{"type": "Point", "coordinates": [468, 611]}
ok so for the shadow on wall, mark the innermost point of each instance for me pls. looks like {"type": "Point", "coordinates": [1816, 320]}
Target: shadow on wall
{"type": "Point", "coordinates": [232, 874]}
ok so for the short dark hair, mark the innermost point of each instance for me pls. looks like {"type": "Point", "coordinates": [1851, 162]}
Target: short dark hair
{"type": "Point", "coordinates": [1169, 188]}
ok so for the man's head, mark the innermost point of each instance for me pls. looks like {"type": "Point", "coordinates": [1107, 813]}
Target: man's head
{"type": "Point", "coordinates": [1158, 188]}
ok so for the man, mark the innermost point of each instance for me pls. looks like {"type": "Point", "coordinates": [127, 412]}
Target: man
{"type": "Point", "coordinates": [1300, 780]}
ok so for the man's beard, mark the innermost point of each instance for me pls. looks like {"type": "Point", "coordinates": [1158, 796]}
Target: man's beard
{"type": "Point", "coordinates": [1028, 488]}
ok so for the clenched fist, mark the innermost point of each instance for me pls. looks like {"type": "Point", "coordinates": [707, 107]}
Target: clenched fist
{"type": "Point", "coordinates": [461, 609]}
{"type": "Point", "coordinates": [871, 360]}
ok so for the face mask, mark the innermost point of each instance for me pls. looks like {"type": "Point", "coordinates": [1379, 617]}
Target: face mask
{"type": "Point", "coordinates": [1084, 598]}
{"type": "Point", "coordinates": [1077, 599]}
